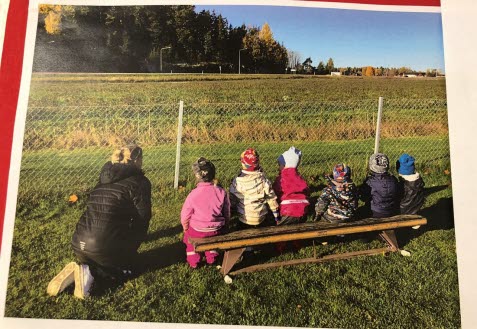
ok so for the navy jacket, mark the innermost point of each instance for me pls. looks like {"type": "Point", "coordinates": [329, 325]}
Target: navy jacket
{"type": "Point", "coordinates": [117, 213]}
{"type": "Point", "coordinates": [380, 192]}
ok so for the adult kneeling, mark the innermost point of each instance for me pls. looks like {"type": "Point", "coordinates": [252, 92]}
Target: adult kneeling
{"type": "Point", "coordinates": [113, 226]}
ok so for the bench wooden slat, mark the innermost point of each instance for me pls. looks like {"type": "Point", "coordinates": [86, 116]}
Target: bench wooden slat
{"type": "Point", "coordinates": [264, 235]}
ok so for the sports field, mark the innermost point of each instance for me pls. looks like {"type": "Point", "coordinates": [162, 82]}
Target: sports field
{"type": "Point", "coordinates": [373, 292]}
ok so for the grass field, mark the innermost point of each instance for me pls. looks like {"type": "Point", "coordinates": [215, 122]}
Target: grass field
{"type": "Point", "coordinates": [392, 291]}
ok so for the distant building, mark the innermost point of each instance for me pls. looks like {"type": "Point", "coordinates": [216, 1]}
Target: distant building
{"type": "Point", "coordinates": [337, 74]}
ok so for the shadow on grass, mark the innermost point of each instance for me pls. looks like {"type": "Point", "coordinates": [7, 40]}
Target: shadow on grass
{"type": "Point", "coordinates": [162, 257]}
{"type": "Point", "coordinates": [430, 190]}
{"type": "Point", "coordinates": [168, 232]}
{"type": "Point", "coordinates": [440, 216]}
{"type": "Point", "coordinates": [151, 260]}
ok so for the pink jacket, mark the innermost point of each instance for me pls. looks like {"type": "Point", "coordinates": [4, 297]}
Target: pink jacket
{"type": "Point", "coordinates": [292, 192]}
{"type": "Point", "coordinates": [206, 208]}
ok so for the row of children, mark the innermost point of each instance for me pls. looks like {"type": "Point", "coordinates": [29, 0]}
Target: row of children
{"type": "Point", "coordinates": [207, 208]}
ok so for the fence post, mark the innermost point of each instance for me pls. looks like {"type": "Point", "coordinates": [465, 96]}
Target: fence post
{"type": "Point", "coordinates": [138, 123]}
{"type": "Point", "coordinates": [178, 148]}
{"type": "Point", "coordinates": [149, 121]}
{"type": "Point", "coordinates": [378, 125]}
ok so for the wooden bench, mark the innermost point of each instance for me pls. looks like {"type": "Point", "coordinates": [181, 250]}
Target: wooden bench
{"type": "Point", "coordinates": [234, 243]}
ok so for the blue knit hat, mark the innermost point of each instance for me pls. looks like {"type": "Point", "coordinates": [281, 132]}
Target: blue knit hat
{"type": "Point", "coordinates": [405, 165]}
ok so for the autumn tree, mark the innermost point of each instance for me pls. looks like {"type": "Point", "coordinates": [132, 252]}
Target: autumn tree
{"type": "Point", "coordinates": [330, 66]}
{"type": "Point", "coordinates": [369, 72]}
{"type": "Point", "coordinates": [265, 54]}
{"type": "Point", "coordinates": [53, 16]}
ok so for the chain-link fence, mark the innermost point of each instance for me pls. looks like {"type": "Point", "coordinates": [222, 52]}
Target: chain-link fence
{"type": "Point", "coordinates": [64, 148]}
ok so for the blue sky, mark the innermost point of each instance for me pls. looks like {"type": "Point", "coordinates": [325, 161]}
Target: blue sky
{"type": "Point", "coordinates": [350, 37]}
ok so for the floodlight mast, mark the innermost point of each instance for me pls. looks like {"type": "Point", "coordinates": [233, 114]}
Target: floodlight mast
{"type": "Point", "coordinates": [160, 57]}
{"type": "Point", "coordinates": [239, 58]}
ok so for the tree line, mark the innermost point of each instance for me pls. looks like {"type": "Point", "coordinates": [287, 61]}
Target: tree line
{"type": "Point", "coordinates": [141, 38]}
{"type": "Point", "coordinates": [168, 38]}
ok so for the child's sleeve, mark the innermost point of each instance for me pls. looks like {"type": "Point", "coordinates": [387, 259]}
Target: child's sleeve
{"type": "Point", "coordinates": [277, 187]}
{"type": "Point", "coordinates": [271, 198]}
{"type": "Point", "coordinates": [353, 203]}
{"type": "Point", "coordinates": [234, 201]}
{"type": "Point", "coordinates": [226, 208]}
{"type": "Point", "coordinates": [364, 191]}
{"type": "Point", "coordinates": [186, 213]}
{"type": "Point", "coordinates": [322, 202]}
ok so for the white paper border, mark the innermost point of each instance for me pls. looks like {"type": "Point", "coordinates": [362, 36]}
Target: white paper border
{"type": "Point", "coordinates": [460, 56]}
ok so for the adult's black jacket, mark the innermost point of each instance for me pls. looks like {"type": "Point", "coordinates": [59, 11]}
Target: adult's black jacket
{"type": "Point", "coordinates": [117, 215]}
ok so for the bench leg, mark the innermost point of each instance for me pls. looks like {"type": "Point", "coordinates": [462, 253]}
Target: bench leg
{"type": "Point", "coordinates": [390, 238]}
{"type": "Point", "coordinates": [230, 258]}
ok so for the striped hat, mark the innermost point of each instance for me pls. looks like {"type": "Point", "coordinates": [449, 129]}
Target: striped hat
{"type": "Point", "coordinates": [250, 159]}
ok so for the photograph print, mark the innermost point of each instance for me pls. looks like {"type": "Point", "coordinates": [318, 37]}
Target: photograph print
{"type": "Point", "coordinates": [256, 165]}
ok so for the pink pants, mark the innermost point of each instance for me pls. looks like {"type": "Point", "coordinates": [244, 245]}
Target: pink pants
{"type": "Point", "coordinates": [193, 258]}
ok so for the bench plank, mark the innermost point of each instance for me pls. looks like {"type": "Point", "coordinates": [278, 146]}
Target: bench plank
{"type": "Point", "coordinates": [265, 235]}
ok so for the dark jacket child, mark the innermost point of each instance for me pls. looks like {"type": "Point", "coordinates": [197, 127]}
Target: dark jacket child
{"type": "Point", "coordinates": [411, 185]}
{"type": "Point", "coordinates": [339, 200]}
{"type": "Point", "coordinates": [380, 190]}
{"type": "Point", "coordinates": [205, 212]}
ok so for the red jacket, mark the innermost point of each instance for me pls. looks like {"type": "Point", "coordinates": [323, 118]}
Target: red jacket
{"type": "Point", "coordinates": [292, 192]}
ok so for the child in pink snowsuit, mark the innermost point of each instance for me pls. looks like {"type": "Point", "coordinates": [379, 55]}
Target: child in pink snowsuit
{"type": "Point", "coordinates": [292, 192]}
{"type": "Point", "coordinates": [291, 189]}
{"type": "Point", "coordinates": [205, 212]}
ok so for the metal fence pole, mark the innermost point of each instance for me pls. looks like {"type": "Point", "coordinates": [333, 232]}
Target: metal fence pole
{"type": "Point", "coordinates": [149, 121]}
{"type": "Point", "coordinates": [378, 125]}
{"type": "Point", "coordinates": [178, 149]}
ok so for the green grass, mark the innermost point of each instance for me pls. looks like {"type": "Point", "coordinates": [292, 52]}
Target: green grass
{"type": "Point", "coordinates": [54, 90]}
{"type": "Point", "coordinates": [391, 291]}
{"type": "Point", "coordinates": [370, 292]}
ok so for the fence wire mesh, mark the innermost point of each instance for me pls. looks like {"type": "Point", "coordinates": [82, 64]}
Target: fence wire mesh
{"type": "Point", "coordinates": [65, 147]}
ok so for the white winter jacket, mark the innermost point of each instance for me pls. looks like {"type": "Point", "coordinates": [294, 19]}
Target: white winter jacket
{"type": "Point", "coordinates": [250, 193]}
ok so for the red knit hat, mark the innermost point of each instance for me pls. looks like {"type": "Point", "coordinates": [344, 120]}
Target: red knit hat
{"type": "Point", "coordinates": [250, 159]}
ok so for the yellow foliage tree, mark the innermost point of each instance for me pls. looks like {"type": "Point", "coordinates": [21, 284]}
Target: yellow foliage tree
{"type": "Point", "coordinates": [369, 71]}
{"type": "Point", "coordinates": [266, 34]}
{"type": "Point", "coordinates": [53, 16]}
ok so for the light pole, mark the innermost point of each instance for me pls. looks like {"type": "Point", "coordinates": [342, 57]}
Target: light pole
{"type": "Point", "coordinates": [239, 57]}
{"type": "Point", "coordinates": [160, 57]}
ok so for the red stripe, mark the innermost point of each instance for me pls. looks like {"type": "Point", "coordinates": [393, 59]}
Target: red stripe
{"type": "Point", "coordinates": [10, 75]}
{"type": "Point", "coordinates": [434, 3]}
